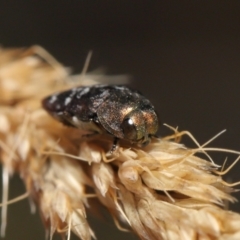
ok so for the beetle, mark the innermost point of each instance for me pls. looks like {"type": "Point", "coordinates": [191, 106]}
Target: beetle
{"type": "Point", "coordinates": [114, 109]}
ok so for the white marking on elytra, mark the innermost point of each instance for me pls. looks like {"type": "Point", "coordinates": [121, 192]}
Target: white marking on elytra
{"type": "Point", "coordinates": [53, 99]}
{"type": "Point", "coordinates": [120, 87]}
{"type": "Point", "coordinates": [105, 93]}
{"type": "Point", "coordinates": [74, 90]}
{"type": "Point", "coordinates": [67, 101]}
{"type": "Point", "coordinates": [82, 92]}
{"type": "Point", "coordinates": [70, 97]}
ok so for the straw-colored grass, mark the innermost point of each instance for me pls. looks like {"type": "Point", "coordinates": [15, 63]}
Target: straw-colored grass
{"type": "Point", "coordinates": [163, 191]}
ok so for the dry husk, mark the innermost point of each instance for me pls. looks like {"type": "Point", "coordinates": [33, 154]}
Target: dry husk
{"type": "Point", "coordinates": [164, 191]}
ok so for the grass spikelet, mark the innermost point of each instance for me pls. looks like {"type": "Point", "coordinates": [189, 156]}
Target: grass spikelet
{"type": "Point", "coordinates": [163, 191]}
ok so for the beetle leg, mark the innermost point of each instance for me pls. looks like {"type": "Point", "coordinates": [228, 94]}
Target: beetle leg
{"type": "Point", "coordinates": [115, 145]}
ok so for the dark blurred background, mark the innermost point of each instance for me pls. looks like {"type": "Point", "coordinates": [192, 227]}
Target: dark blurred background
{"type": "Point", "coordinates": [184, 55]}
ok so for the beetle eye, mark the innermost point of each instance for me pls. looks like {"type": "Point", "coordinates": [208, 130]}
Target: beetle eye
{"type": "Point", "coordinates": [129, 129]}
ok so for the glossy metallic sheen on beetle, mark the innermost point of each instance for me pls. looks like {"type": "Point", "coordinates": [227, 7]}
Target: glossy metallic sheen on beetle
{"type": "Point", "coordinates": [117, 110]}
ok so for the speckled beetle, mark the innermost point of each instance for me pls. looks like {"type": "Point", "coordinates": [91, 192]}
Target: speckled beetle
{"type": "Point", "coordinates": [117, 110]}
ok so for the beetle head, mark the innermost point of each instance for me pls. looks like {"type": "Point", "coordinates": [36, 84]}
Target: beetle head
{"type": "Point", "coordinates": [139, 125]}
